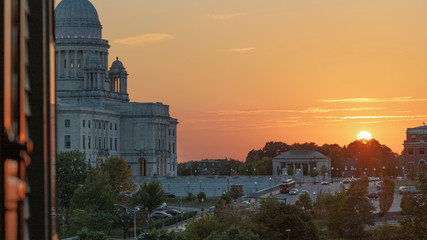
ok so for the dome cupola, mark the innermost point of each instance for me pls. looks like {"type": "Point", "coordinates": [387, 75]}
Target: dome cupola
{"type": "Point", "coordinates": [77, 19]}
{"type": "Point", "coordinates": [117, 66]}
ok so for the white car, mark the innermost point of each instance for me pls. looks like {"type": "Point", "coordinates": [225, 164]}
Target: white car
{"type": "Point", "coordinates": [293, 191]}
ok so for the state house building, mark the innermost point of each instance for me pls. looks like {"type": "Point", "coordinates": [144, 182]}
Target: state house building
{"type": "Point", "coordinates": [94, 114]}
{"type": "Point", "coordinates": [415, 147]}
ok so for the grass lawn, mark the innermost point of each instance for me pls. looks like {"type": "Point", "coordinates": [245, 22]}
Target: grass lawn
{"type": "Point", "coordinates": [209, 202]}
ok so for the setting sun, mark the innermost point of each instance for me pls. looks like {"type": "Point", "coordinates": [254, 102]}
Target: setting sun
{"type": "Point", "coordinates": [364, 135]}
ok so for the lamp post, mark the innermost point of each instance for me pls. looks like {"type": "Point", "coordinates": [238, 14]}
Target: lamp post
{"type": "Point", "coordinates": [332, 177]}
{"type": "Point", "coordinates": [256, 189]}
{"type": "Point", "coordinates": [288, 231]}
{"type": "Point", "coordinates": [300, 176]}
{"type": "Point", "coordinates": [168, 188]}
{"type": "Point", "coordinates": [200, 185]}
{"type": "Point", "coordinates": [254, 171]}
{"type": "Point", "coordinates": [124, 218]}
{"type": "Point", "coordinates": [270, 187]}
{"type": "Point", "coordinates": [314, 197]}
{"type": "Point", "coordinates": [188, 187]}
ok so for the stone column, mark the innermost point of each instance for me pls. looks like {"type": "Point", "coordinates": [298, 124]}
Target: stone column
{"type": "Point", "coordinates": [67, 63]}
{"type": "Point", "coordinates": [75, 63]}
{"type": "Point", "coordinates": [58, 63]}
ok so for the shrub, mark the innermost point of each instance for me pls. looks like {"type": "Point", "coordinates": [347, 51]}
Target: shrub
{"type": "Point", "coordinates": [201, 196]}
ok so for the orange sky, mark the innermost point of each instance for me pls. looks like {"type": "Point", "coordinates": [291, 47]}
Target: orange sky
{"type": "Point", "coordinates": [239, 73]}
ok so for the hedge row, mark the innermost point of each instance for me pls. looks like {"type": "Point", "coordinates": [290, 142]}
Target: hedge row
{"type": "Point", "coordinates": [164, 222]}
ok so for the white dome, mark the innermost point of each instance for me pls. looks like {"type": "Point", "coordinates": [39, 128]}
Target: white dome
{"type": "Point", "coordinates": [77, 19]}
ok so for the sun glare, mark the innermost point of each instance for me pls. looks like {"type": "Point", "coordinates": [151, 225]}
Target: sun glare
{"type": "Point", "coordinates": [364, 135]}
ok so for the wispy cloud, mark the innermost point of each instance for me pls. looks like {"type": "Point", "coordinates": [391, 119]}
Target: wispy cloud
{"type": "Point", "coordinates": [385, 117]}
{"type": "Point", "coordinates": [376, 100]}
{"type": "Point", "coordinates": [241, 50]}
{"type": "Point", "coordinates": [226, 16]}
{"type": "Point", "coordinates": [144, 39]}
{"type": "Point", "coordinates": [309, 110]}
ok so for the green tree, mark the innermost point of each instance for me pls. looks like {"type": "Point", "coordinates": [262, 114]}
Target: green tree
{"type": "Point", "coordinates": [414, 205]}
{"type": "Point", "coordinates": [71, 171]}
{"type": "Point", "coordinates": [386, 232]}
{"type": "Point", "coordinates": [92, 205]}
{"type": "Point", "coordinates": [305, 201]}
{"type": "Point", "coordinates": [348, 213]}
{"type": "Point", "coordinates": [323, 171]}
{"type": "Point", "coordinates": [233, 233]}
{"type": "Point", "coordinates": [203, 227]}
{"type": "Point", "coordinates": [273, 218]}
{"type": "Point", "coordinates": [119, 175]}
{"type": "Point", "coordinates": [386, 195]}
{"type": "Point", "coordinates": [201, 196]}
{"type": "Point", "coordinates": [85, 234]}
{"type": "Point", "coordinates": [150, 196]}
{"type": "Point", "coordinates": [236, 191]}
{"type": "Point", "coordinates": [313, 173]}
{"type": "Point", "coordinates": [95, 194]}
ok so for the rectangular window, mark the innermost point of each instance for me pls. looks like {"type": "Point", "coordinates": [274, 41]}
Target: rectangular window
{"type": "Point", "coordinates": [67, 141]}
{"type": "Point", "coordinates": [88, 123]}
{"type": "Point", "coordinates": [84, 142]}
{"type": "Point", "coordinates": [111, 126]}
{"type": "Point", "coordinates": [67, 123]}
{"type": "Point", "coordinates": [111, 144]}
{"type": "Point", "coordinates": [78, 63]}
{"type": "Point", "coordinates": [173, 148]}
{"type": "Point", "coordinates": [72, 64]}
{"type": "Point", "coordinates": [410, 151]}
{"type": "Point", "coordinates": [88, 142]}
{"type": "Point", "coordinates": [170, 147]}
{"type": "Point", "coordinates": [422, 151]}
{"type": "Point", "coordinates": [115, 127]}
{"type": "Point", "coordinates": [104, 125]}
{"type": "Point", "coordinates": [169, 132]}
{"type": "Point", "coordinates": [65, 63]}
{"type": "Point", "coordinates": [173, 132]}
{"type": "Point", "coordinates": [100, 141]}
{"type": "Point", "coordinates": [104, 141]}
{"type": "Point", "coordinates": [95, 143]}
{"type": "Point", "coordinates": [115, 144]}
{"type": "Point", "coordinates": [84, 123]}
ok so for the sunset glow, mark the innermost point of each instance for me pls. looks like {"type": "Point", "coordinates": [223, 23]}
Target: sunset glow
{"type": "Point", "coordinates": [237, 74]}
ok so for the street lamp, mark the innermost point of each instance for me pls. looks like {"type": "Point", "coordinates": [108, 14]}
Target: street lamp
{"type": "Point", "coordinates": [200, 185]}
{"type": "Point", "coordinates": [270, 187]}
{"type": "Point", "coordinates": [124, 218]}
{"type": "Point", "coordinates": [188, 187]}
{"type": "Point", "coordinates": [256, 189]}
{"type": "Point", "coordinates": [288, 231]}
{"type": "Point", "coordinates": [314, 197]}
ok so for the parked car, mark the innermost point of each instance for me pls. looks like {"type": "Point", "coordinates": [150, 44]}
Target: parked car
{"type": "Point", "coordinates": [170, 195]}
{"type": "Point", "coordinates": [293, 191]}
{"type": "Point", "coordinates": [160, 215]}
{"type": "Point", "coordinates": [324, 183]}
{"type": "Point", "coordinates": [403, 189]}
{"type": "Point", "coordinates": [373, 195]}
{"type": "Point", "coordinates": [179, 229]}
{"type": "Point", "coordinates": [162, 207]}
{"type": "Point", "coordinates": [173, 212]}
{"type": "Point", "coordinates": [304, 192]}
{"type": "Point", "coordinates": [345, 180]}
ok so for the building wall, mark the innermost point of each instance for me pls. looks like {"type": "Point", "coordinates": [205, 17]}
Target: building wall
{"type": "Point", "coordinates": [415, 149]}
